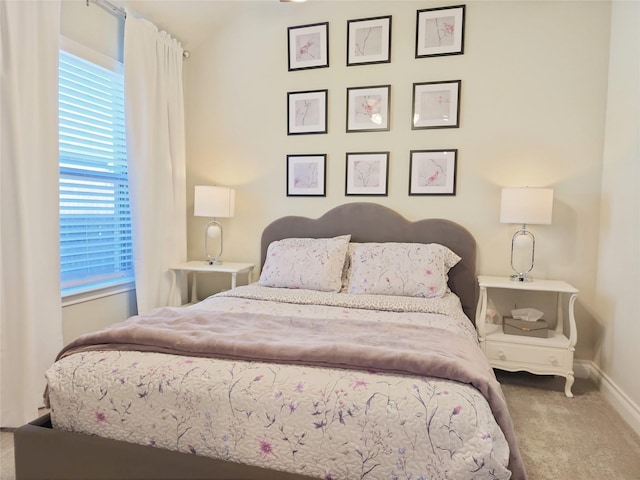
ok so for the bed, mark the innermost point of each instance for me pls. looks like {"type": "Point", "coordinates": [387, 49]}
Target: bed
{"type": "Point", "coordinates": [353, 356]}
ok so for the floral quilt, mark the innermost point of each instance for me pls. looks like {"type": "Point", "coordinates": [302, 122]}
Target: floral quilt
{"type": "Point", "coordinates": [323, 422]}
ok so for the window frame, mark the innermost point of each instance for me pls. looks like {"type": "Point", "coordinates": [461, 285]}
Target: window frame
{"type": "Point", "coordinates": [126, 284]}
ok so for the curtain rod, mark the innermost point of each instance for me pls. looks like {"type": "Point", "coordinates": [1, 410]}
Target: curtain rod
{"type": "Point", "coordinates": [110, 7]}
{"type": "Point", "coordinates": [119, 12]}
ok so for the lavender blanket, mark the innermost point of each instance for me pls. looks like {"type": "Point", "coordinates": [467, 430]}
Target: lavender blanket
{"type": "Point", "coordinates": [367, 345]}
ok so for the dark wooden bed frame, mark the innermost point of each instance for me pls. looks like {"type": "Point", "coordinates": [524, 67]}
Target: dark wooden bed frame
{"type": "Point", "coordinates": [45, 453]}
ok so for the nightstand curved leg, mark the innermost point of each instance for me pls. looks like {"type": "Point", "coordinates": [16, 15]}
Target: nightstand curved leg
{"type": "Point", "coordinates": [569, 384]}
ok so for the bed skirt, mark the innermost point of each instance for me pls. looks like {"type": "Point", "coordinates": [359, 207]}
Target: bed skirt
{"type": "Point", "coordinates": [45, 453]}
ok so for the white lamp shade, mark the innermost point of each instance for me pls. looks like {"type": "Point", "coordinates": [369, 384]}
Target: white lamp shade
{"type": "Point", "coordinates": [526, 205]}
{"type": "Point", "coordinates": [210, 201]}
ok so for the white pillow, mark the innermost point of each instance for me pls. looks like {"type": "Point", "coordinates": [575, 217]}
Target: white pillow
{"type": "Point", "coordinates": [309, 263]}
{"type": "Point", "coordinates": [406, 269]}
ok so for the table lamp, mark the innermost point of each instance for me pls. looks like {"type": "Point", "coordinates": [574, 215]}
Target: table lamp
{"type": "Point", "coordinates": [525, 205]}
{"type": "Point", "coordinates": [214, 202]}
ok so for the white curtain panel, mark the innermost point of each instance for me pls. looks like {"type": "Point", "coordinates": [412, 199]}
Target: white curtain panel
{"type": "Point", "coordinates": [30, 305]}
{"type": "Point", "coordinates": [156, 154]}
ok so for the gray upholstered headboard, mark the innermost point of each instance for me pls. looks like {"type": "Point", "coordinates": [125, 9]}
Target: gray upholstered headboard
{"type": "Point", "coordinates": [371, 222]}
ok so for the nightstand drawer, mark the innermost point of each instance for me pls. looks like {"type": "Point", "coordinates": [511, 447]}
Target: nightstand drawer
{"type": "Point", "coordinates": [526, 354]}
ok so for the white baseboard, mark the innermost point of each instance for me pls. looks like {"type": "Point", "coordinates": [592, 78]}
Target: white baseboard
{"type": "Point", "coordinates": [613, 394]}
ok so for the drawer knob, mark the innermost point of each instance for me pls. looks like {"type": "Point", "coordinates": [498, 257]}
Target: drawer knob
{"type": "Point", "coordinates": [501, 355]}
{"type": "Point", "coordinates": [553, 360]}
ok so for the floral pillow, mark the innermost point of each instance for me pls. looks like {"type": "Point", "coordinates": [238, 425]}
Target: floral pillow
{"type": "Point", "coordinates": [407, 269]}
{"type": "Point", "coordinates": [309, 263]}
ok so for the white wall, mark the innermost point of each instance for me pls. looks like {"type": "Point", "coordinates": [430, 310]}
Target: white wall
{"type": "Point", "coordinates": [618, 280]}
{"type": "Point", "coordinates": [534, 86]}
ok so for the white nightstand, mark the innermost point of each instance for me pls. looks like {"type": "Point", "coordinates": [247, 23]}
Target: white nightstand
{"type": "Point", "coordinates": [201, 266]}
{"type": "Point", "coordinates": [542, 356]}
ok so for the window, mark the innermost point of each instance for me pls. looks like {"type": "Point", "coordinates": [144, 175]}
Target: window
{"type": "Point", "coordinates": [95, 219]}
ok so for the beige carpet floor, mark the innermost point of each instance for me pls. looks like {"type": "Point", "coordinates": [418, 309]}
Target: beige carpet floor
{"type": "Point", "coordinates": [560, 438]}
{"type": "Point", "coordinates": [580, 438]}
{"type": "Point", "coordinates": [7, 470]}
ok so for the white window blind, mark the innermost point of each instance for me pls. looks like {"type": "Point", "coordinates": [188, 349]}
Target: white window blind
{"type": "Point", "coordinates": [95, 219]}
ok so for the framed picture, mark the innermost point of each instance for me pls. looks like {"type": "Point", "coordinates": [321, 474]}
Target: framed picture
{"type": "Point", "coordinates": [368, 108]}
{"type": "Point", "coordinates": [432, 172]}
{"type": "Point", "coordinates": [306, 175]}
{"type": "Point", "coordinates": [308, 46]}
{"type": "Point", "coordinates": [369, 41]}
{"type": "Point", "coordinates": [436, 105]}
{"type": "Point", "coordinates": [307, 112]}
{"type": "Point", "coordinates": [440, 31]}
{"type": "Point", "coordinates": [367, 173]}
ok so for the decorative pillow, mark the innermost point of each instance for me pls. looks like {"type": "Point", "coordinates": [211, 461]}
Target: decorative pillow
{"type": "Point", "coordinates": [310, 263]}
{"type": "Point", "coordinates": [407, 269]}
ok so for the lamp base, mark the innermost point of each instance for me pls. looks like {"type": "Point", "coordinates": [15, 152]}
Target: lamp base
{"type": "Point", "coordinates": [521, 277]}
{"type": "Point", "coordinates": [522, 237]}
{"type": "Point", "coordinates": [215, 228]}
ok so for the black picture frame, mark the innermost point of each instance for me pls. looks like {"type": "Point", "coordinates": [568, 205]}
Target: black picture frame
{"type": "Point", "coordinates": [369, 41]}
{"type": "Point", "coordinates": [367, 174]}
{"type": "Point", "coordinates": [436, 105]}
{"type": "Point", "coordinates": [307, 112]}
{"type": "Point", "coordinates": [308, 46]}
{"type": "Point", "coordinates": [368, 108]}
{"type": "Point", "coordinates": [440, 31]}
{"type": "Point", "coordinates": [433, 172]}
{"type": "Point", "coordinates": [306, 175]}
